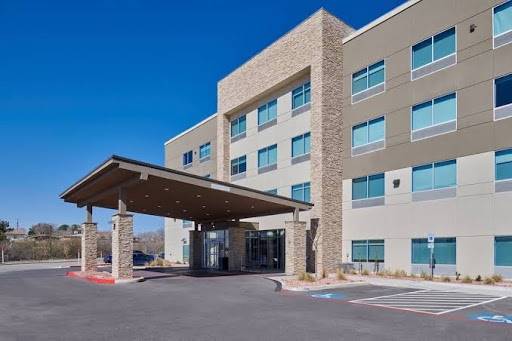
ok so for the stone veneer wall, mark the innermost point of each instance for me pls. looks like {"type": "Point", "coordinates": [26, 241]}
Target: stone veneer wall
{"type": "Point", "coordinates": [295, 247]}
{"type": "Point", "coordinates": [89, 247]}
{"type": "Point", "coordinates": [314, 46]}
{"type": "Point", "coordinates": [236, 248]}
{"type": "Point", "coordinates": [122, 246]}
{"type": "Point", "coordinates": [196, 250]}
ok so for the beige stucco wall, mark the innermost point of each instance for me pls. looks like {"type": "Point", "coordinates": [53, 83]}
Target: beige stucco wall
{"type": "Point", "coordinates": [475, 216]}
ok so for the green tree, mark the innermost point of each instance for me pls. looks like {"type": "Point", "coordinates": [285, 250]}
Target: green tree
{"type": "Point", "coordinates": [63, 227]}
{"type": "Point", "coordinates": [4, 228]}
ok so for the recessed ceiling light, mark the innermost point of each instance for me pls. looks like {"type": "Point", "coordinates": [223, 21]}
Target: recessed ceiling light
{"type": "Point", "coordinates": [204, 206]}
{"type": "Point", "coordinates": [252, 206]}
{"type": "Point", "coordinates": [184, 210]}
{"type": "Point", "coordinates": [143, 210]}
{"type": "Point", "coordinates": [147, 195]}
{"type": "Point", "coordinates": [198, 196]}
{"type": "Point", "coordinates": [177, 201]}
{"type": "Point", "coordinates": [227, 201]}
{"type": "Point", "coordinates": [168, 213]}
{"type": "Point", "coordinates": [131, 201]}
{"type": "Point", "coordinates": [166, 189]}
{"type": "Point", "coordinates": [207, 213]}
{"type": "Point", "coordinates": [158, 206]}
{"type": "Point", "coordinates": [228, 211]}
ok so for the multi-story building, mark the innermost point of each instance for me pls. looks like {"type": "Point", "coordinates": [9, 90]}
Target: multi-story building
{"type": "Point", "coordinates": [398, 133]}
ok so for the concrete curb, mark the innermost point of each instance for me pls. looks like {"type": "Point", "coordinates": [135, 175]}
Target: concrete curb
{"type": "Point", "coordinates": [283, 286]}
{"type": "Point", "coordinates": [100, 279]}
{"type": "Point", "coordinates": [427, 285]}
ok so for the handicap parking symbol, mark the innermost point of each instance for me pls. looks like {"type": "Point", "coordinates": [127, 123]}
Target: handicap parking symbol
{"type": "Point", "coordinates": [330, 295]}
{"type": "Point", "coordinates": [493, 318]}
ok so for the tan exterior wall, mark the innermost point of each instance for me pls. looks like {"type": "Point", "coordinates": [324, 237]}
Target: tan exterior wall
{"type": "Point", "coordinates": [472, 78]}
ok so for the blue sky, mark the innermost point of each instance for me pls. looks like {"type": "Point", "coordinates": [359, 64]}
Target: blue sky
{"type": "Point", "coordinates": [82, 80]}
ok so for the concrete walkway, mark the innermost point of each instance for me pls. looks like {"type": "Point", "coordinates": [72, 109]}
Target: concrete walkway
{"type": "Point", "coordinates": [459, 287]}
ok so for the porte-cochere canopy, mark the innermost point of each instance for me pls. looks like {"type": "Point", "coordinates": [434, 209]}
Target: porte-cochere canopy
{"type": "Point", "coordinates": [160, 191]}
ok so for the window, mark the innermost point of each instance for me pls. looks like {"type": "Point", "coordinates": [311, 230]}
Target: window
{"type": "Point", "coordinates": [301, 144]}
{"type": "Point", "coordinates": [504, 165]}
{"type": "Point", "coordinates": [434, 48]}
{"type": "Point", "coordinates": [267, 156]}
{"type": "Point", "coordinates": [503, 251]}
{"type": "Point", "coordinates": [267, 112]}
{"type": "Point", "coordinates": [444, 251]}
{"type": "Point", "coordinates": [368, 251]}
{"type": "Point", "coordinates": [368, 77]}
{"type": "Point", "coordinates": [502, 19]}
{"type": "Point", "coordinates": [186, 253]}
{"type": "Point", "coordinates": [434, 176]}
{"type": "Point", "coordinates": [238, 165]}
{"type": "Point", "coordinates": [238, 126]}
{"type": "Point", "coordinates": [187, 158]}
{"type": "Point", "coordinates": [301, 95]}
{"type": "Point", "coordinates": [186, 223]}
{"type": "Point", "coordinates": [434, 112]}
{"type": "Point", "coordinates": [368, 132]}
{"type": "Point", "coordinates": [503, 91]}
{"type": "Point", "coordinates": [204, 150]}
{"type": "Point", "coordinates": [272, 191]}
{"type": "Point", "coordinates": [302, 192]}
{"type": "Point", "coordinates": [368, 187]}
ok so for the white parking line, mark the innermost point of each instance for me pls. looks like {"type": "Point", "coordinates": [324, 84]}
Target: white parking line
{"type": "Point", "coordinates": [429, 301]}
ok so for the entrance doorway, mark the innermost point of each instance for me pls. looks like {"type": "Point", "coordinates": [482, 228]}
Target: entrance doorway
{"type": "Point", "coordinates": [215, 246]}
{"type": "Point", "coordinates": [264, 250]}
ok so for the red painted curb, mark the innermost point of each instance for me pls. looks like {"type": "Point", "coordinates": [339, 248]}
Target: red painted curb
{"type": "Point", "coordinates": [91, 278]}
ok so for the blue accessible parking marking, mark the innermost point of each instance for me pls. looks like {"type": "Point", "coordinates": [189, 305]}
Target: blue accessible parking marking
{"type": "Point", "coordinates": [330, 295]}
{"type": "Point", "coordinates": [492, 317]}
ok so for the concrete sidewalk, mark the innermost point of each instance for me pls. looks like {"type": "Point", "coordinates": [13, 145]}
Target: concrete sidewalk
{"type": "Point", "coordinates": [10, 267]}
{"type": "Point", "coordinates": [459, 287]}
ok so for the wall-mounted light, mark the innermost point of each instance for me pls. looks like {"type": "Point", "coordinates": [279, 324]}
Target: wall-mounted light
{"type": "Point", "coordinates": [472, 28]}
{"type": "Point", "coordinates": [396, 183]}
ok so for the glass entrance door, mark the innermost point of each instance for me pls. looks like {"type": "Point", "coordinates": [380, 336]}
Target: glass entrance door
{"type": "Point", "coordinates": [264, 250]}
{"type": "Point", "coordinates": [215, 254]}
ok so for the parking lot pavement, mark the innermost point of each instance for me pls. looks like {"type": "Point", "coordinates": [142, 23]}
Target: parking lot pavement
{"type": "Point", "coordinates": [46, 305]}
{"type": "Point", "coordinates": [429, 301]}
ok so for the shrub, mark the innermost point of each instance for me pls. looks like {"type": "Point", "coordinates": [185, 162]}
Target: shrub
{"type": "Point", "coordinates": [478, 278]}
{"type": "Point", "coordinates": [353, 272]}
{"type": "Point", "coordinates": [497, 278]}
{"type": "Point", "coordinates": [340, 276]}
{"type": "Point", "coordinates": [424, 275]}
{"type": "Point", "coordinates": [399, 273]}
{"type": "Point", "coordinates": [365, 272]}
{"type": "Point", "coordinates": [467, 279]}
{"type": "Point", "coordinates": [159, 262]}
{"type": "Point", "coordinates": [489, 281]}
{"type": "Point", "coordinates": [445, 279]}
{"type": "Point", "coordinates": [306, 277]}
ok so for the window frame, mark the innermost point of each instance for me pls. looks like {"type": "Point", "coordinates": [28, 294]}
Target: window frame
{"type": "Point", "coordinates": [266, 105]}
{"type": "Point", "coordinates": [303, 187]}
{"type": "Point", "coordinates": [303, 91]}
{"type": "Point", "coordinates": [367, 68]}
{"type": "Point", "coordinates": [205, 145]}
{"type": "Point", "coordinates": [237, 159]}
{"type": "Point", "coordinates": [496, 166]}
{"type": "Point", "coordinates": [238, 123]}
{"type": "Point", "coordinates": [368, 187]}
{"type": "Point", "coordinates": [432, 115]}
{"type": "Point", "coordinates": [492, 28]}
{"type": "Point", "coordinates": [368, 134]}
{"type": "Point", "coordinates": [303, 138]}
{"type": "Point", "coordinates": [494, 97]}
{"type": "Point", "coordinates": [433, 61]}
{"type": "Point", "coordinates": [433, 176]}
{"type": "Point", "coordinates": [266, 149]}
{"type": "Point", "coordinates": [367, 243]}
{"type": "Point", "coordinates": [185, 156]}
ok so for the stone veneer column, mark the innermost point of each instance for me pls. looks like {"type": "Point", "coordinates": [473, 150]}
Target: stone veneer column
{"type": "Point", "coordinates": [122, 246]}
{"type": "Point", "coordinates": [295, 248]}
{"type": "Point", "coordinates": [223, 142]}
{"type": "Point", "coordinates": [326, 144]}
{"type": "Point", "coordinates": [236, 248]}
{"type": "Point", "coordinates": [195, 258]}
{"type": "Point", "coordinates": [89, 247]}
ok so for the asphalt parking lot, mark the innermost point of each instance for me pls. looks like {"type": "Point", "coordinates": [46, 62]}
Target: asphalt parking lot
{"type": "Point", "coordinates": [46, 305]}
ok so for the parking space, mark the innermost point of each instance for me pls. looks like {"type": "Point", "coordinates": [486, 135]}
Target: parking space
{"type": "Point", "coordinates": [429, 301]}
{"type": "Point", "coordinates": [179, 305]}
